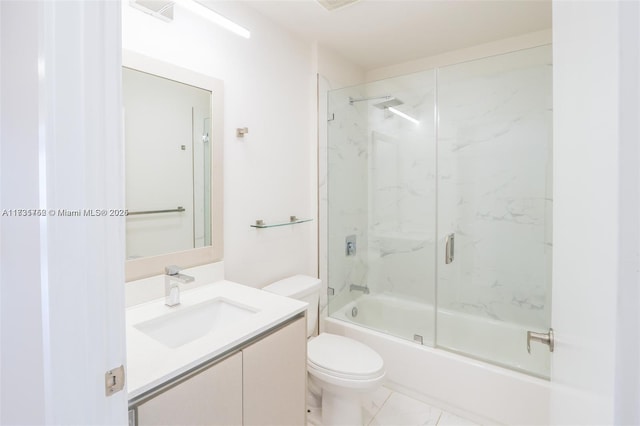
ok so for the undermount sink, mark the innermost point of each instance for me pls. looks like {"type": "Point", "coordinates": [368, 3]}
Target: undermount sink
{"type": "Point", "coordinates": [188, 323]}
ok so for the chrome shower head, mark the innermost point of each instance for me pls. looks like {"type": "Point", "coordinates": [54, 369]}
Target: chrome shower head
{"type": "Point", "coordinates": [388, 103]}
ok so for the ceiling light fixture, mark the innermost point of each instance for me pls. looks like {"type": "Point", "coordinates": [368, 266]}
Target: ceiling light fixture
{"type": "Point", "coordinates": [214, 17]}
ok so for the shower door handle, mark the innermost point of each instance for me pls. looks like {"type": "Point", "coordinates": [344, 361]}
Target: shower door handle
{"type": "Point", "coordinates": [449, 248]}
{"type": "Point", "coordinates": [546, 338]}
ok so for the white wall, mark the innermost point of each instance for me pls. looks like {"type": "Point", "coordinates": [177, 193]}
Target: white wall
{"type": "Point", "coordinates": [270, 88]}
{"type": "Point", "coordinates": [338, 70]}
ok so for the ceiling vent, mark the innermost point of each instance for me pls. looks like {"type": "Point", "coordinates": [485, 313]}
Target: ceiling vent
{"type": "Point", "coordinates": [161, 9]}
{"type": "Point", "coordinates": [335, 4]}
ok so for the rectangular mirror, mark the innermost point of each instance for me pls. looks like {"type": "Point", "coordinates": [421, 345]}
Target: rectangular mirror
{"type": "Point", "coordinates": [173, 166]}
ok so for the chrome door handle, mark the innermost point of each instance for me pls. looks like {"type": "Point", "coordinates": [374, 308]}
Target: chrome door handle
{"type": "Point", "coordinates": [546, 338]}
{"type": "Point", "coordinates": [449, 248]}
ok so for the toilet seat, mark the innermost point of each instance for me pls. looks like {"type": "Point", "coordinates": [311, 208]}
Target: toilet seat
{"type": "Point", "coordinates": [340, 385]}
{"type": "Point", "coordinates": [342, 358]}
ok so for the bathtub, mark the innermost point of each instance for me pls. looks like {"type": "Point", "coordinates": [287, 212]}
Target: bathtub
{"type": "Point", "coordinates": [472, 388]}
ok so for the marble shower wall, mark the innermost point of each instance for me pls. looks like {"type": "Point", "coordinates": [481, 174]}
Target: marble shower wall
{"type": "Point", "coordinates": [494, 147]}
{"type": "Point", "coordinates": [488, 180]}
{"type": "Point", "coordinates": [402, 190]}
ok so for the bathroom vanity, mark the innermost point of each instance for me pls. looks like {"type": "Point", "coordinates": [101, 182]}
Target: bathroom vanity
{"type": "Point", "coordinates": [222, 353]}
{"type": "Point", "coordinates": [227, 355]}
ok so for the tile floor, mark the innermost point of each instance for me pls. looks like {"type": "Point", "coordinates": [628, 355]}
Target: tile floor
{"type": "Point", "coordinates": [390, 408]}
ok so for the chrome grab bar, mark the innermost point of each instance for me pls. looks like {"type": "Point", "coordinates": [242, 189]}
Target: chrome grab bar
{"type": "Point", "coordinates": [178, 209]}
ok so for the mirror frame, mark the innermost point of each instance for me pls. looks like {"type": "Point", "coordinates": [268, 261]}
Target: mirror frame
{"type": "Point", "coordinates": [154, 265]}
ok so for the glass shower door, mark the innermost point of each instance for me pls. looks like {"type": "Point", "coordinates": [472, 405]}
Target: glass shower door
{"type": "Point", "coordinates": [494, 199]}
{"type": "Point", "coordinates": [381, 216]}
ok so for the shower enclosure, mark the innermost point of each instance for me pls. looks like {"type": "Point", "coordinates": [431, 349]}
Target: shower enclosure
{"type": "Point", "coordinates": [439, 207]}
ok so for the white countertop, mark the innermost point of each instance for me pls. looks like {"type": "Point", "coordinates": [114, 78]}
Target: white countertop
{"type": "Point", "coordinates": [151, 363]}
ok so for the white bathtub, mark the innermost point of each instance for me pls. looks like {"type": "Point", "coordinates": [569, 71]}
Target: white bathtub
{"type": "Point", "coordinates": [469, 387]}
{"type": "Point", "coordinates": [390, 314]}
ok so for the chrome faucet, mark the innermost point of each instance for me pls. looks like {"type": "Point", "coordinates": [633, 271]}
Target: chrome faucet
{"type": "Point", "coordinates": [362, 288]}
{"type": "Point", "coordinates": [172, 280]}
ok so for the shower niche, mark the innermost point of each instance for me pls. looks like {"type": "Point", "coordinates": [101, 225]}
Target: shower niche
{"type": "Point", "coordinates": [460, 153]}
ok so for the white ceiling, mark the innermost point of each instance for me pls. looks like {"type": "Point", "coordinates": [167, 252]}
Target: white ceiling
{"type": "Point", "coordinates": [377, 33]}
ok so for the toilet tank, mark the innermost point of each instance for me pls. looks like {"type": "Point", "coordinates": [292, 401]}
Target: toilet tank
{"type": "Point", "coordinates": [300, 287]}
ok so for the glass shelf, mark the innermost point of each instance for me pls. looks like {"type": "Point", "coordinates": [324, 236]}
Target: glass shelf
{"type": "Point", "coordinates": [292, 221]}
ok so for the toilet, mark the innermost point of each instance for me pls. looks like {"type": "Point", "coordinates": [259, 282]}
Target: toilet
{"type": "Point", "coordinates": [341, 369]}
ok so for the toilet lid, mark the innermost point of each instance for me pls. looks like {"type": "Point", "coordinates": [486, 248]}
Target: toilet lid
{"type": "Point", "coordinates": [343, 356]}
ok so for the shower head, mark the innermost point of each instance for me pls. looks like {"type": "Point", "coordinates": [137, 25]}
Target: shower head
{"type": "Point", "coordinates": [388, 103]}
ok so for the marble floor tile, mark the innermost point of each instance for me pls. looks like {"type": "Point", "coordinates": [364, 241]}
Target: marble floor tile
{"type": "Point", "coordinates": [448, 419]}
{"type": "Point", "coordinates": [388, 408]}
{"type": "Point", "coordinates": [372, 404]}
{"type": "Point", "coordinates": [400, 410]}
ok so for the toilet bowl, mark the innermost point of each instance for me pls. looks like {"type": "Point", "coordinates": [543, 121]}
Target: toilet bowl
{"type": "Point", "coordinates": [342, 369]}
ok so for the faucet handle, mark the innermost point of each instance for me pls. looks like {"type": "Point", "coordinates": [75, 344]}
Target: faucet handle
{"type": "Point", "coordinates": [172, 270]}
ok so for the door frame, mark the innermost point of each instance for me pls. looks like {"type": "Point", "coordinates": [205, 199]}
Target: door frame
{"type": "Point", "coordinates": [596, 215]}
{"type": "Point", "coordinates": [62, 296]}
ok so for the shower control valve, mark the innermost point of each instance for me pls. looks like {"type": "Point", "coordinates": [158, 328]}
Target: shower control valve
{"type": "Point", "coordinates": [350, 245]}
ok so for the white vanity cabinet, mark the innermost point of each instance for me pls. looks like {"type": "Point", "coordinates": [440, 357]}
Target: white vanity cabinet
{"type": "Point", "coordinates": [212, 397]}
{"type": "Point", "coordinates": [263, 383]}
{"type": "Point", "coordinates": [274, 380]}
